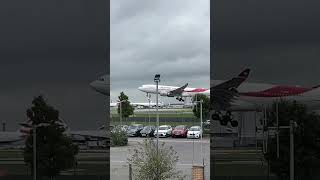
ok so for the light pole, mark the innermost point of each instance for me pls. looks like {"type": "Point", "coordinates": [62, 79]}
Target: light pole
{"type": "Point", "coordinates": [201, 101]}
{"type": "Point", "coordinates": [34, 127]}
{"type": "Point", "coordinates": [34, 135]}
{"type": "Point", "coordinates": [120, 104]}
{"type": "Point", "coordinates": [157, 80]}
{"type": "Point", "coordinates": [201, 131]}
{"type": "Point", "coordinates": [291, 127]}
{"type": "Point", "coordinates": [149, 96]}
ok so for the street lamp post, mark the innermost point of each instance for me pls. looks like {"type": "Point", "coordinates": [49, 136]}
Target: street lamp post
{"type": "Point", "coordinates": [120, 113]}
{"type": "Point", "coordinates": [120, 104]}
{"type": "Point", "coordinates": [157, 80]}
{"type": "Point", "coordinates": [201, 132]}
{"type": "Point", "coordinates": [149, 107]}
{"type": "Point", "coordinates": [291, 127]}
{"type": "Point", "coordinates": [34, 129]}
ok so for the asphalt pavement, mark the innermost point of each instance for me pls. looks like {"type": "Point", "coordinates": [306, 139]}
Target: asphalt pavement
{"type": "Point", "coordinates": [188, 150]}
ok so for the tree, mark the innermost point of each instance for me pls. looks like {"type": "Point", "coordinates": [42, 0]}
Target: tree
{"type": "Point", "coordinates": [306, 145]}
{"type": "Point", "coordinates": [148, 166]}
{"type": "Point", "coordinates": [55, 151]}
{"type": "Point", "coordinates": [127, 108]}
{"type": "Point", "coordinates": [205, 106]}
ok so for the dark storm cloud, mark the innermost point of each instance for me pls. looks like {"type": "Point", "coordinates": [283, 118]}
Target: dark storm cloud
{"type": "Point", "coordinates": [53, 48]}
{"type": "Point", "coordinates": [166, 37]}
{"type": "Point", "coordinates": [279, 40]}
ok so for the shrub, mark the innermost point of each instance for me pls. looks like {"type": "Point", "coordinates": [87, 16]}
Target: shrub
{"type": "Point", "coordinates": [118, 137]}
{"type": "Point", "coordinates": [147, 165]}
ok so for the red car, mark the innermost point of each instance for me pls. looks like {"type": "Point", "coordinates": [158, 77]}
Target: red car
{"type": "Point", "coordinates": [180, 131]}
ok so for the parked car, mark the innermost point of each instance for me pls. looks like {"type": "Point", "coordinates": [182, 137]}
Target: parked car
{"type": "Point", "coordinates": [134, 130]}
{"type": "Point", "coordinates": [194, 132]}
{"type": "Point", "coordinates": [164, 131]}
{"type": "Point", "coordinates": [180, 131]}
{"type": "Point", "coordinates": [147, 131]}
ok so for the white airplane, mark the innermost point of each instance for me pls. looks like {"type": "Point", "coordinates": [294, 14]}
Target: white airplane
{"type": "Point", "coordinates": [174, 91]}
{"type": "Point", "coordinates": [235, 95]}
{"type": "Point", "coordinates": [102, 85]}
{"type": "Point", "coordinates": [184, 91]}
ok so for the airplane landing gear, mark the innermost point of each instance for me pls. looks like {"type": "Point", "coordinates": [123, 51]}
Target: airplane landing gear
{"type": "Point", "coordinates": [180, 99]}
{"type": "Point", "coordinates": [234, 123]}
{"type": "Point", "coordinates": [225, 119]}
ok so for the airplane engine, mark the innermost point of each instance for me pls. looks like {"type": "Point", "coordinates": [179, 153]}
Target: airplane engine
{"type": "Point", "coordinates": [166, 94]}
{"type": "Point", "coordinates": [163, 93]}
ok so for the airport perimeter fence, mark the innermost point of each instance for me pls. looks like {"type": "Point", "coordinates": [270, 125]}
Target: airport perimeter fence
{"type": "Point", "coordinates": [162, 119]}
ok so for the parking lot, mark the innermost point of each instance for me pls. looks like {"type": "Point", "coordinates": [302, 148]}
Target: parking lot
{"type": "Point", "coordinates": [188, 150]}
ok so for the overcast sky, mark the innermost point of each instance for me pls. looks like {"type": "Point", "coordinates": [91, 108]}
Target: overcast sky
{"type": "Point", "coordinates": [169, 37]}
{"type": "Point", "coordinates": [53, 48]}
{"type": "Point", "coordinates": [278, 40]}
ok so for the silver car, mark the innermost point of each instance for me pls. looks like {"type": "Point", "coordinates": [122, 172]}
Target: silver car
{"type": "Point", "coordinates": [164, 131]}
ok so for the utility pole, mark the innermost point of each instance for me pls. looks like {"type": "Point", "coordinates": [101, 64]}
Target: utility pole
{"type": "Point", "coordinates": [157, 80]}
{"type": "Point", "coordinates": [201, 132]}
{"type": "Point", "coordinates": [120, 112]}
{"type": "Point", "coordinates": [34, 152]}
{"type": "Point", "coordinates": [120, 104]}
{"type": "Point", "coordinates": [149, 96]}
{"type": "Point", "coordinates": [291, 150]}
{"type": "Point", "coordinates": [277, 124]}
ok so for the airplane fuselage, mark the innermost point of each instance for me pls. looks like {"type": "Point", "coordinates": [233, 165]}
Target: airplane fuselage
{"type": "Point", "coordinates": [164, 90]}
{"type": "Point", "coordinates": [252, 96]}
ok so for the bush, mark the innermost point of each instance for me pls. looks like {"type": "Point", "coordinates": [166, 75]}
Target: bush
{"type": "Point", "coordinates": [118, 137]}
{"type": "Point", "coordinates": [147, 165]}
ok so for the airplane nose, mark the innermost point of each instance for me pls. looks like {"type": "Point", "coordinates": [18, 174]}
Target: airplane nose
{"type": "Point", "coordinates": [93, 85]}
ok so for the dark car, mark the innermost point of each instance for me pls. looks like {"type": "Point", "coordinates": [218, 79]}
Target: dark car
{"type": "Point", "coordinates": [180, 131]}
{"type": "Point", "coordinates": [134, 130]}
{"type": "Point", "coordinates": [147, 131]}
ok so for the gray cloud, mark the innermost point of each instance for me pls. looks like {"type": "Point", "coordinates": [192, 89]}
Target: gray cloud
{"type": "Point", "coordinates": [167, 37]}
{"type": "Point", "coordinates": [279, 40]}
{"type": "Point", "coordinates": [54, 48]}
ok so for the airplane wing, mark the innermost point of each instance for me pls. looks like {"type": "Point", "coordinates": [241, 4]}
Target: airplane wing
{"type": "Point", "coordinates": [222, 95]}
{"type": "Point", "coordinates": [177, 91]}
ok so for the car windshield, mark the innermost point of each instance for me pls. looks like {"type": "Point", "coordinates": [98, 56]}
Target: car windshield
{"type": "Point", "coordinates": [163, 128]}
{"type": "Point", "coordinates": [194, 129]}
{"type": "Point", "coordinates": [179, 127]}
{"type": "Point", "coordinates": [147, 128]}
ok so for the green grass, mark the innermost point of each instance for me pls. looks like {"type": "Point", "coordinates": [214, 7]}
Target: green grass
{"type": "Point", "coordinates": [180, 113]}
